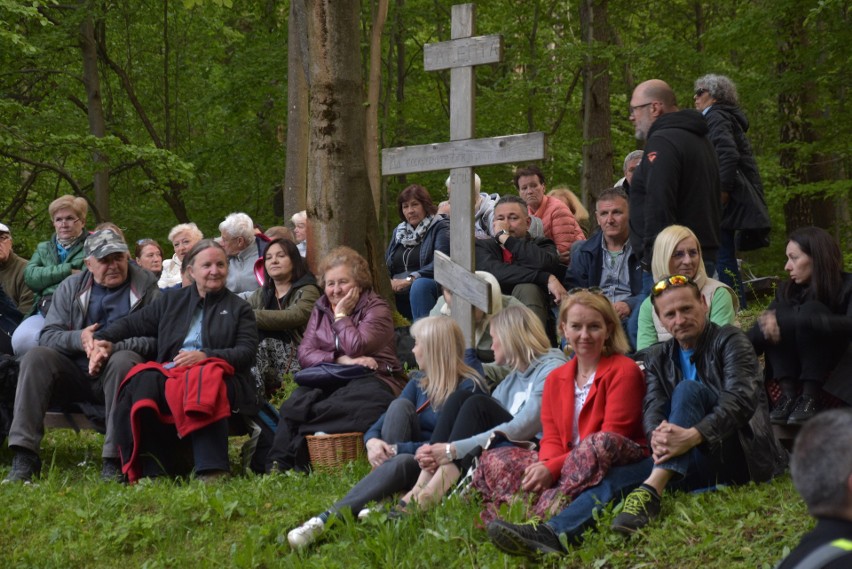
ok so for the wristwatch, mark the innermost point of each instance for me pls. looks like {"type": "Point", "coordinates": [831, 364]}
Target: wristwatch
{"type": "Point", "coordinates": [410, 278]}
{"type": "Point", "coordinates": [500, 234]}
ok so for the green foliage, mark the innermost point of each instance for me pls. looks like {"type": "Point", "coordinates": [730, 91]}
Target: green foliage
{"type": "Point", "coordinates": [72, 519]}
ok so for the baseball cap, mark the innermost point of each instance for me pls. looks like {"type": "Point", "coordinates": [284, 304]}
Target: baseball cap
{"type": "Point", "coordinates": [104, 242]}
{"type": "Point", "coordinates": [4, 228]}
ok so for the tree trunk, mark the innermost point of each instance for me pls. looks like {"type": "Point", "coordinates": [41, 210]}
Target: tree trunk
{"type": "Point", "coordinates": [296, 172]}
{"type": "Point", "coordinates": [340, 204]}
{"type": "Point", "coordinates": [95, 109]}
{"type": "Point", "coordinates": [371, 141]}
{"type": "Point", "coordinates": [597, 144]}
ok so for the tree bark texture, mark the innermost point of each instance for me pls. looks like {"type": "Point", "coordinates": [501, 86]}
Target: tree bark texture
{"type": "Point", "coordinates": [298, 137]}
{"type": "Point", "coordinates": [374, 83]}
{"type": "Point", "coordinates": [95, 110]}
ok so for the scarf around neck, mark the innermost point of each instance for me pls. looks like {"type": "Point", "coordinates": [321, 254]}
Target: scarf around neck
{"type": "Point", "coordinates": [410, 236]}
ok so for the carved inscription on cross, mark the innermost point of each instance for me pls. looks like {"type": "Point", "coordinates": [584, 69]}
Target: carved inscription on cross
{"type": "Point", "coordinates": [460, 156]}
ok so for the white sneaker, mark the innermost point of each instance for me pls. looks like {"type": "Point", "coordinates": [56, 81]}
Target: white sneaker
{"type": "Point", "coordinates": [306, 533]}
{"type": "Point", "coordinates": [366, 512]}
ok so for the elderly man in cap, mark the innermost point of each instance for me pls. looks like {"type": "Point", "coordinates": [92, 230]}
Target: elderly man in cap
{"type": "Point", "coordinates": [65, 367]}
{"type": "Point", "coordinates": [16, 298]}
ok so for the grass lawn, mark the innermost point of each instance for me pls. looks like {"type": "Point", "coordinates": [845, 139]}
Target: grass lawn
{"type": "Point", "coordinates": [71, 519]}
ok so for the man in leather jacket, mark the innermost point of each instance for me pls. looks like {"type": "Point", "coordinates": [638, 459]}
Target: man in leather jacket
{"type": "Point", "coordinates": [705, 410]}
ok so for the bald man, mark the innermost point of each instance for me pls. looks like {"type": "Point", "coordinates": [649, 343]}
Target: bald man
{"type": "Point", "coordinates": [677, 180]}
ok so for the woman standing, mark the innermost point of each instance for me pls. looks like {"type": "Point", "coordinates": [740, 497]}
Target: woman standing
{"type": "Point", "coordinates": [353, 326]}
{"type": "Point", "coordinates": [411, 252]}
{"type": "Point", "coordinates": [805, 331]}
{"type": "Point", "coordinates": [591, 416]}
{"type": "Point", "coordinates": [677, 252]}
{"type": "Point", "coordinates": [282, 308]}
{"type": "Point", "coordinates": [408, 422]}
{"type": "Point", "coordinates": [716, 97]}
{"type": "Point", "coordinates": [191, 325]}
{"type": "Point", "coordinates": [54, 260]}
{"type": "Point", "coordinates": [182, 237]}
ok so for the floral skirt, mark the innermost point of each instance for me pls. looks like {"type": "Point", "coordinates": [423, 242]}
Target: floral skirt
{"type": "Point", "coordinates": [500, 471]}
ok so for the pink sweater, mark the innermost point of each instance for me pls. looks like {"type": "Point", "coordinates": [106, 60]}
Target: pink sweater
{"type": "Point", "coordinates": [559, 223]}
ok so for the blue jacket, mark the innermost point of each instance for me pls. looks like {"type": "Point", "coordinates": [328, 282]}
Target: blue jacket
{"type": "Point", "coordinates": [436, 238]}
{"type": "Point", "coordinates": [587, 265]}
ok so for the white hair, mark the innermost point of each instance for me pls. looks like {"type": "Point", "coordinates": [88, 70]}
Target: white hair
{"type": "Point", "coordinates": [238, 225]}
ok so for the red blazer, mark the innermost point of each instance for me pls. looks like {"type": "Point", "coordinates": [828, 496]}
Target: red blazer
{"type": "Point", "coordinates": [614, 405]}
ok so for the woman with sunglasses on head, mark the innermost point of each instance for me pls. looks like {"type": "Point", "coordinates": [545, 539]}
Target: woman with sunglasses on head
{"type": "Point", "coordinates": [805, 332]}
{"type": "Point", "coordinates": [52, 262]}
{"type": "Point", "coordinates": [677, 252]}
{"type": "Point", "coordinates": [591, 417]}
{"type": "Point", "coordinates": [149, 255]}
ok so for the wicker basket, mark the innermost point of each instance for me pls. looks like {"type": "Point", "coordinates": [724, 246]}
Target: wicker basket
{"type": "Point", "coordinates": [331, 451]}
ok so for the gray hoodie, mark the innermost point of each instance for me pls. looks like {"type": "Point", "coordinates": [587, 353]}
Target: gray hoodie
{"type": "Point", "coordinates": [520, 394]}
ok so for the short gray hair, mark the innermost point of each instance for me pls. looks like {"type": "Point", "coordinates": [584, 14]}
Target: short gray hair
{"type": "Point", "coordinates": [822, 464]}
{"type": "Point", "coordinates": [720, 88]}
{"type": "Point", "coordinates": [635, 155]}
{"type": "Point", "coordinates": [190, 228]}
{"type": "Point", "coordinates": [299, 217]}
{"type": "Point", "coordinates": [238, 225]}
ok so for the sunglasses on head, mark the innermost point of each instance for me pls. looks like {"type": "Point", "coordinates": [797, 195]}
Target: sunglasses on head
{"type": "Point", "coordinates": [674, 281]}
{"type": "Point", "coordinates": [591, 289]}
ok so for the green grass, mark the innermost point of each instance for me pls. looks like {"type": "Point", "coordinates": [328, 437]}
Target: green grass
{"type": "Point", "coordinates": [71, 519]}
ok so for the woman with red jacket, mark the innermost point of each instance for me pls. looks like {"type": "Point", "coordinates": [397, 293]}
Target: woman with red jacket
{"type": "Point", "coordinates": [591, 417]}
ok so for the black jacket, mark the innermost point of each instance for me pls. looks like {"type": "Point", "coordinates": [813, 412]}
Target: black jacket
{"type": "Point", "coordinates": [726, 363]}
{"type": "Point", "coordinates": [228, 331]}
{"type": "Point", "coordinates": [534, 259]}
{"type": "Point", "coordinates": [676, 182]}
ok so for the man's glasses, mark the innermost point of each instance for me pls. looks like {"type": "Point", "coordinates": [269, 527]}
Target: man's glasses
{"type": "Point", "coordinates": [674, 281]}
{"type": "Point", "coordinates": [632, 110]}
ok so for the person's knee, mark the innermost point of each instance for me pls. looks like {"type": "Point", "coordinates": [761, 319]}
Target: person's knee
{"type": "Point", "coordinates": [400, 408]}
{"type": "Point", "coordinates": [403, 466]}
{"type": "Point", "coordinates": [36, 364]}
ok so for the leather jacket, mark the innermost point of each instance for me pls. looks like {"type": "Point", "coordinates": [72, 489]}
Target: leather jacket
{"type": "Point", "coordinates": [726, 363]}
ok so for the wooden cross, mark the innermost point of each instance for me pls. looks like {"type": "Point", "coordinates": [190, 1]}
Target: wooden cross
{"type": "Point", "coordinates": [460, 156]}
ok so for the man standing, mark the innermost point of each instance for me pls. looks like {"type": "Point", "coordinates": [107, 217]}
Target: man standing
{"type": "Point", "coordinates": [12, 273]}
{"type": "Point", "coordinates": [678, 178]}
{"type": "Point", "coordinates": [607, 260]}
{"type": "Point", "coordinates": [237, 235]}
{"type": "Point", "coordinates": [705, 410]}
{"type": "Point", "coordinates": [526, 267]}
{"type": "Point", "coordinates": [706, 417]}
{"type": "Point", "coordinates": [822, 473]}
{"type": "Point", "coordinates": [59, 369]}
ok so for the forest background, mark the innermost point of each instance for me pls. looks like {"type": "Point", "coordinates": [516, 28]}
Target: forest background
{"type": "Point", "coordinates": [166, 111]}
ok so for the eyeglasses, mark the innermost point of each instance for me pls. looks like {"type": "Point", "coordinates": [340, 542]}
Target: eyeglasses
{"type": "Point", "coordinates": [674, 281]}
{"type": "Point", "coordinates": [591, 289]}
{"type": "Point", "coordinates": [61, 220]}
{"type": "Point", "coordinates": [632, 110]}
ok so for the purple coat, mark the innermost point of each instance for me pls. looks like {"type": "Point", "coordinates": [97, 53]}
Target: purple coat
{"type": "Point", "coordinates": [368, 331]}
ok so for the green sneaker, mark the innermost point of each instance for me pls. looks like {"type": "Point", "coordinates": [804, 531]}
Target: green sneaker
{"type": "Point", "coordinates": [640, 507]}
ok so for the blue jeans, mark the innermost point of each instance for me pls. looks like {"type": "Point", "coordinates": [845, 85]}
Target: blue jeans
{"type": "Point", "coordinates": [727, 266]}
{"type": "Point", "coordinates": [580, 513]}
{"type": "Point", "coordinates": [419, 299]}
{"type": "Point", "coordinates": [691, 402]}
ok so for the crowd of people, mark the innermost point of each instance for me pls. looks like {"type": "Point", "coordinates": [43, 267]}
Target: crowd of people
{"type": "Point", "coordinates": [604, 368]}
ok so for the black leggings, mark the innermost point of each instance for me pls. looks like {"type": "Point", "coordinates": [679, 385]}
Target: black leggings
{"type": "Point", "coordinates": [466, 414]}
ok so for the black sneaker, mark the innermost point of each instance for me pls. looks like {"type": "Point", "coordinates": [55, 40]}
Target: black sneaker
{"type": "Point", "coordinates": [781, 412]}
{"type": "Point", "coordinates": [640, 507]}
{"type": "Point", "coordinates": [806, 407]}
{"type": "Point", "coordinates": [26, 465]}
{"type": "Point", "coordinates": [111, 470]}
{"type": "Point", "coordinates": [524, 539]}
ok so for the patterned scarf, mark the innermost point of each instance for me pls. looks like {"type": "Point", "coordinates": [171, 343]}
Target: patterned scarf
{"type": "Point", "coordinates": [410, 236]}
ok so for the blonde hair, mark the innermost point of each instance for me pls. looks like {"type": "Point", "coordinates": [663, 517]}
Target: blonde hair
{"type": "Point", "coordinates": [665, 244]}
{"type": "Point", "coordinates": [522, 335]}
{"type": "Point", "coordinates": [569, 198]}
{"type": "Point", "coordinates": [190, 228]}
{"type": "Point", "coordinates": [357, 265]}
{"type": "Point", "coordinates": [442, 344]}
{"type": "Point", "coordinates": [76, 204]}
{"type": "Point", "coordinates": [616, 340]}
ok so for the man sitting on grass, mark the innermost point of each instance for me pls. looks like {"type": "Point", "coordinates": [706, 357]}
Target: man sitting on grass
{"type": "Point", "coordinates": [705, 414]}
{"type": "Point", "coordinates": [822, 473]}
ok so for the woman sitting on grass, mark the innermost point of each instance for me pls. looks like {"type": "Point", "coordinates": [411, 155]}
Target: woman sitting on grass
{"type": "Point", "coordinates": [591, 415]}
{"type": "Point", "coordinates": [408, 422]}
{"type": "Point", "coordinates": [468, 419]}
